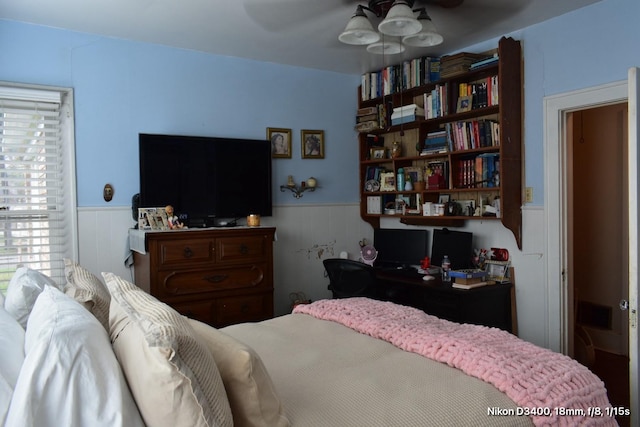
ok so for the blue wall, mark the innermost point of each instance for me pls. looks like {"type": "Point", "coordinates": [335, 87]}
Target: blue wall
{"type": "Point", "coordinates": [588, 47]}
{"type": "Point", "coordinates": [123, 88]}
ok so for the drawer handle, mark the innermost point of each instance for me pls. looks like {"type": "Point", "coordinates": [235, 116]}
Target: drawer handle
{"type": "Point", "coordinates": [244, 308]}
{"type": "Point", "coordinates": [187, 252]}
{"type": "Point", "coordinates": [244, 249]}
{"type": "Point", "coordinates": [217, 278]}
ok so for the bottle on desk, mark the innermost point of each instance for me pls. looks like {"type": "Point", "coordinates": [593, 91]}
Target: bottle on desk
{"type": "Point", "coordinates": [446, 265]}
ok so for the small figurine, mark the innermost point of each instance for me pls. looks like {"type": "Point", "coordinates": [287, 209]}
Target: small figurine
{"type": "Point", "coordinates": [173, 220]}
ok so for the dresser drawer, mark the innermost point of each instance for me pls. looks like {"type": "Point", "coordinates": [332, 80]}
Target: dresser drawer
{"type": "Point", "coordinates": [198, 310]}
{"type": "Point", "coordinates": [187, 252]}
{"type": "Point", "coordinates": [241, 248]}
{"type": "Point", "coordinates": [194, 281]}
{"type": "Point", "coordinates": [247, 308]}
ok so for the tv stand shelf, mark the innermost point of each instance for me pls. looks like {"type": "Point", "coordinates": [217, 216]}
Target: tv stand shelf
{"type": "Point", "coordinates": [219, 276]}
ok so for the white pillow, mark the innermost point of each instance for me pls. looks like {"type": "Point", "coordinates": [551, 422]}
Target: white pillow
{"type": "Point", "coordinates": [12, 345]}
{"type": "Point", "coordinates": [70, 376]}
{"type": "Point", "coordinates": [23, 290]}
{"type": "Point", "coordinates": [172, 375]}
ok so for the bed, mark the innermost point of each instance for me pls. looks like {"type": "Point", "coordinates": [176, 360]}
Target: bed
{"type": "Point", "coordinates": [342, 362]}
{"type": "Point", "coordinates": [108, 354]}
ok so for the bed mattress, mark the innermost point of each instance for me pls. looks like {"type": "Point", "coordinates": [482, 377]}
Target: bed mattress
{"type": "Point", "coordinates": [327, 374]}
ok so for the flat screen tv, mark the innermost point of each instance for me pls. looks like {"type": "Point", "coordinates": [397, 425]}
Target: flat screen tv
{"type": "Point", "coordinates": [400, 248]}
{"type": "Point", "coordinates": [209, 181]}
{"type": "Point", "coordinates": [457, 245]}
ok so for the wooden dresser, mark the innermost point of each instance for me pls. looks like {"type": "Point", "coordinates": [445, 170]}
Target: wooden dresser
{"type": "Point", "coordinates": [217, 276]}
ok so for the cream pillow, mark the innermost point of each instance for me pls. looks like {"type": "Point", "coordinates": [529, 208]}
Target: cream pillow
{"type": "Point", "coordinates": [251, 393]}
{"type": "Point", "coordinates": [70, 376]}
{"type": "Point", "coordinates": [172, 376]}
{"type": "Point", "coordinates": [88, 290]}
{"type": "Point", "coordinates": [23, 290]}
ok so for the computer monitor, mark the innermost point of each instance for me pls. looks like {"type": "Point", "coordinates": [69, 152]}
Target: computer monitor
{"type": "Point", "coordinates": [458, 245]}
{"type": "Point", "coordinates": [400, 248]}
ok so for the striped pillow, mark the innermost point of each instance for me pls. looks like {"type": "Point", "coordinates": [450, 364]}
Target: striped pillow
{"type": "Point", "coordinates": [84, 287]}
{"type": "Point", "coordinates": [173, 377]}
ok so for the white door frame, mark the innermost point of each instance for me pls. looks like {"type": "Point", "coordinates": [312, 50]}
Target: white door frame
{"type": "Point", "coordinates": [556, 109]}
{"type": "Point", "coordinates": [634, 250]}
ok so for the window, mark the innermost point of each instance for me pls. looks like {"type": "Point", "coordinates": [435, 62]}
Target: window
{"type": "Point", "coordinates": [37, 180]}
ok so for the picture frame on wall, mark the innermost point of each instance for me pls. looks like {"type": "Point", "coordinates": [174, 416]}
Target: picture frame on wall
{"type": "Point", "coordinates": [312, 144]}
{"type": "Point", "coordinates": [280, 139]}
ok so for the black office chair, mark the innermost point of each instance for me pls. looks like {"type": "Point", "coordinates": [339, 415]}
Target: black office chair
{"type": "Point", "coordinates": [348, 278]}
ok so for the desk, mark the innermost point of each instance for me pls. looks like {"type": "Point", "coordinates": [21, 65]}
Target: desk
{"type": "Point", "coordinates": [488, 305]}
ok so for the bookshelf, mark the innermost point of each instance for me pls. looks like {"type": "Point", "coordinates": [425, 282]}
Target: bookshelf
{"type": "Point", "coordinates": [483, 159]}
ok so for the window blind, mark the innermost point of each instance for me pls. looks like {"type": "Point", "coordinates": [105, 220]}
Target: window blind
{"type": "Point", "coordinates": [33, 215]}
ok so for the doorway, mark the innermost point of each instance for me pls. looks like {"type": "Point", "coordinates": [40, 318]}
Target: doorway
{"type": "Point", "coordinates": [597, 244]}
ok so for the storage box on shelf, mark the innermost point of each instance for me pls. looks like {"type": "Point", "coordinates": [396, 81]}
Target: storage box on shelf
{"type": "Point", "coordinates": [479, 114]}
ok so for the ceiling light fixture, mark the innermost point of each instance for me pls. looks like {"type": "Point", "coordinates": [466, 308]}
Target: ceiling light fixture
{"type": "Point", "coordinates": [399, 21]}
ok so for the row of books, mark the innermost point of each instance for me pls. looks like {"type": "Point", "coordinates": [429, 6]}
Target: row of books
{"type": "Point", "coordinates": [485, 62]}
{"type": "Point", "coordinates": [482, 171]}
{"type": "Point", "coordinates": [435, 102]}
{"type": "Point", "coordinates": [395, 78]}
{"type": "Point", "coordinates": [371, 118]}
{"type": "Point", "coordinates": [436, 142]}
{"type": "Point", "coordinates": [472, 134]}
{"type": "Point", "coordinates": [453, 65]}
{"type": "Point", "coordinates": [484, 93]}
{"type": "Point", "coordinates": [373, 173]}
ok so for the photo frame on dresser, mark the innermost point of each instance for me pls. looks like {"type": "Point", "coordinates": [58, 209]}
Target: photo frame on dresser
{"type": "Point", "coordinates": [153, 219]}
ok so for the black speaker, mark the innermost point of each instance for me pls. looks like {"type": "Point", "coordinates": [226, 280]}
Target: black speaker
{"type": "Point", "coordinates": [135, 204]}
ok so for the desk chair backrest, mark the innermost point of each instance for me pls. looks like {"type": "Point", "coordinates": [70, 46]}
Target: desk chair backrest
{"type": "Point", "coordinates": [348, 278]}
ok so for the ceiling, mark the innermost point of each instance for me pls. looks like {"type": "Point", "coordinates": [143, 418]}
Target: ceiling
{"type": "Point", "coordinates": [295, 32]}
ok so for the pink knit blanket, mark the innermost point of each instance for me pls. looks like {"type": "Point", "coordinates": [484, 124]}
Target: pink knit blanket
{"type": "Point", "coordinates": [550, 387]}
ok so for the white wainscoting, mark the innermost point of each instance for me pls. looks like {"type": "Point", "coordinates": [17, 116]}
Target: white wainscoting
{"type": "Point", "coordinates": [307, 234]}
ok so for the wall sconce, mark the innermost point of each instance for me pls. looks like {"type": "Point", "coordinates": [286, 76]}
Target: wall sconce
{"type": "Point", "coordinates": [309, 185]}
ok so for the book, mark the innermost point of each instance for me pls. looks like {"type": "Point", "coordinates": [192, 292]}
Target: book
{"type": "Point", "coordinates": [471, 285]}
{"type": "Point", "coordinates": [470, 273]}
{"type": "Point", "coordinates": [485, 62]}
{"type": "Point", "coordinates": [469, 281]}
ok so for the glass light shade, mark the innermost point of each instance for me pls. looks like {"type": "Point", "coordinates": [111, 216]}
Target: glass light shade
{"type": "Point", "coordinates": [359, 31]}
{"type": "Point", "coordinates": [386, 47]}
{"type": "Point", "coordinates": [429, 36]}
{"type": "Point", "coordinates": [400, 21]}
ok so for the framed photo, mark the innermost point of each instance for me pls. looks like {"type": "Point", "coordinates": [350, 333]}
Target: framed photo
{"type": "Point", "coordinates": [414, 173]}
{"type": "Point", "coordinates": [387, 181]}
{"type": "Point", "coordinates": [464, 104]}
{"type": "Point", "coordinates": [378, 153]}
{"type": "Point", "coordinates": [444, 198]}
{"type": "Point", "coordinates": [280, 142]}
{"type": "Point", "coordinates": [497, 270]}
{"type": "Point", "coordinates": [313, 144]}
{"type": "Point", "coordinates": [152, 219]}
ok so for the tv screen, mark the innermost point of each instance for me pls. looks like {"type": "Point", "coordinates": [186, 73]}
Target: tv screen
{"type": "Point", "coordinates": [400, 248]}
{"type": "Point", "coordinates": [207, 180]}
